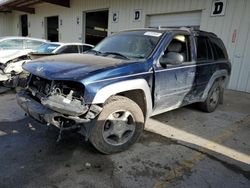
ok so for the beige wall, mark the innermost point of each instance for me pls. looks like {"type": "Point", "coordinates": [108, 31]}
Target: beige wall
{"type": "Point", "coordinates": [236, 19]}
{"type": "Point", "coordinates": [71, 32]}
{"type": "Point", "coordinates": [6, 24]}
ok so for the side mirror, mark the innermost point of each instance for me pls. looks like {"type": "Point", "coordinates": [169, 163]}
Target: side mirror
{"type": "Point", "coordinates": [172, 58]}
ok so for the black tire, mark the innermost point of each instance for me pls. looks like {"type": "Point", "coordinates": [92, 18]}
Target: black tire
{"type": "Point", "coordinates": [112, 120]}
{"type": "Point", "coordinates": [213, 98]}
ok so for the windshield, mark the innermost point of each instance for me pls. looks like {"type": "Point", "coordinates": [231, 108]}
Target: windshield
{"type": "Point", "coordinates": [46, 48]}
{"type": "Point", "coordinates": [132, 44]}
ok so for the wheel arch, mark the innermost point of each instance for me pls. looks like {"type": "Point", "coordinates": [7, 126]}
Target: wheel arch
{"type": "Point", "coordinates": [137, 90]}
{"type": "Point", "coordinates": [138, 96]}
{"type": "Point", "coordinates": [220, 74]}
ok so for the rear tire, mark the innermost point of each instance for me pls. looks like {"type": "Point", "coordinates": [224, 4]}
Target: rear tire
{"type": "Point", "coordinates": [118, 126]}
{"type": "Point", "coordinates": [213, 98]}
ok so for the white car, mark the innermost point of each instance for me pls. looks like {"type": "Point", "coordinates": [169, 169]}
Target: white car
{"type": "Point", "coordinates": [13, 67]}
{"type": "Point", "coordinates": [13, 50]}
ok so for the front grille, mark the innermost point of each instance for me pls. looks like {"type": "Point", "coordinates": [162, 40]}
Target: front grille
{"type": "Point", "coordinates": [43, 87]}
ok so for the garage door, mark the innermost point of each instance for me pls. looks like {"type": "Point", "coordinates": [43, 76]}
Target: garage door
{"type": "Point", "coordinates": [191, 19]}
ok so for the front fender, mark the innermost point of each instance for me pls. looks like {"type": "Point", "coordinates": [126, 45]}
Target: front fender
{"type": "Point", "coordinates": [137, 84]}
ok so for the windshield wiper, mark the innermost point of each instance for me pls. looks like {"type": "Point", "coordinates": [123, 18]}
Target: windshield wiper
{"type": "Point", "coordinates": [117, 54]}
{"type": "Point", "coordinates": [106, 53]}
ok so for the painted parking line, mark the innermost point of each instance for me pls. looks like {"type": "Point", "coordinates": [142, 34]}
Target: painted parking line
{"type": "Point", "coordinates": [214, 145]}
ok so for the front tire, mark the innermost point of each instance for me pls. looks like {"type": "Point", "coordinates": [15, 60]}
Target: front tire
{"type": "Point", "coordinates": [118, 126]}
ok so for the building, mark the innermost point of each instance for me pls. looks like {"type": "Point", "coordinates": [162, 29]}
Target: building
{"type": "Point", "coordinates": [91, 20]}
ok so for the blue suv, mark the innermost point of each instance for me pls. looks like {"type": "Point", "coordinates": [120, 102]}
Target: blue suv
{"type": "Point", "coordinates": [108, 93]}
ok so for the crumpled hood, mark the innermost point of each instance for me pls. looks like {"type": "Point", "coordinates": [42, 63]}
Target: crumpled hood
{"type": "Point", "coordinates": [7, 55]}
{"type": "Point", "coordinates": [70, 66]}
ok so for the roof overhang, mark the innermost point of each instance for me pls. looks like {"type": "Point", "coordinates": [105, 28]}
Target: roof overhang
{"type": "Point", "coordinates": [27, 5]}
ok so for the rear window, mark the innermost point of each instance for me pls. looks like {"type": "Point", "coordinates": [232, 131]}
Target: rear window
{"type": "Point", "coordinates": [203, 49]}
{"type": "Point", "coordinates": [218, 49]}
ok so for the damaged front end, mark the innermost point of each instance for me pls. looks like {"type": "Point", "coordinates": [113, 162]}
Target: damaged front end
{"type": "Point", "coordinates": [59, 103]}
{"type": "Point", "coordinates": [11, 72]}
{"type": "Point", "coordinates": [3, 76]}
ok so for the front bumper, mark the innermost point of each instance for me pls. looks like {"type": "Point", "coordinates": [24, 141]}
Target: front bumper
{"type": "Point", "coordinates": [36, 110]}
{"type": "Point", "coordinates": [47, 116]}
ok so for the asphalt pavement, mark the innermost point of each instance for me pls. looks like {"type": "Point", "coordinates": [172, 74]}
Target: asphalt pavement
{"type": "Point", "coordinates": [181, 148]}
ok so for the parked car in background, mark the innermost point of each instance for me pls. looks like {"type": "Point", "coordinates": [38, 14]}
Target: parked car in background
{"type": "Point", "coordinates": [20, 43]}
{"type": "Point", "coordinates": [108, 93]}
{"type": "Point", "coordinates": [11, 66]}
{"type": "Point", "coordinates": [13, 53]}
{"type": "Point", "coordinates": [54, 48]}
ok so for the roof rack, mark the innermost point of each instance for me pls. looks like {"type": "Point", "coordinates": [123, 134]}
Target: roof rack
{"type": "Point", "coordinates": [189, 29]}
{"type": "Point", "coordinates": [202, 32]}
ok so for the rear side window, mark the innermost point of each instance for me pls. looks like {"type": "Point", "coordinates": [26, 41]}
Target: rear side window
{"type": "Point", "coordinates": [84, 48]}
{"type": "Point", "coordinates": [219, 49]}
{"type": "Point", "coordinates": [203, 49]}
{"type": "Point", "coordinates": [69, 49]}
